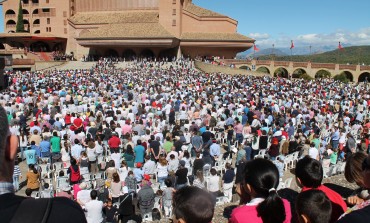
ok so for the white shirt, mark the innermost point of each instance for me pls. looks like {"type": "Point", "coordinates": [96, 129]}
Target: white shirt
{"type": "Point", "coordinates": [313, 152]}
{"type": "Point", "coordinates": [94, 210]}
{"type": "Point", "coordinates": [213, 183]}
{"type": "Point", "coordinates": [149, 167]}
{"type": "Point", "coordinates": [117, 158]}
{"type": "Point", "coordinates": [76, 151]}
{"type": "Point", "coordinates": [84, 196]}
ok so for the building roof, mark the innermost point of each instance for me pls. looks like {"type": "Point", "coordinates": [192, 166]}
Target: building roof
{"type": "Point", "coordinates": [127, 30]}
{"type": "Point", "coordinates": [4, 35]}
{"type": "Point", "coordinates": [215, 37]}
{"type": "Point", "coordinates": [202, 12]}
{"type": "Point", "coordinates": [115, 17]}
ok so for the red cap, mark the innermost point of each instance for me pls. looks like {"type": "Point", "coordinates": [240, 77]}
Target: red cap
{"type": "Point", "coordinates": [146, 177]}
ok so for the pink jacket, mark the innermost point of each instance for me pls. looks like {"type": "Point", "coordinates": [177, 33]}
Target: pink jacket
{"type": "Point", "coordinates": [249, 214]}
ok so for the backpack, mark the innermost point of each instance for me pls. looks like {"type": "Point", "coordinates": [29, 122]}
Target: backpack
{"type": "Point", "coordinates": [75, 175]}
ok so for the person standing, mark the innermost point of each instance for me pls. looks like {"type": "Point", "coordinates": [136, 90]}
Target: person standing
{"type": "Point", "coordinates": [94, 209]}
{"type": "Point", "coordinates": [146, 198]}
{"type": "Point", "coordinates": [15, 208]}
{"type": "Point", "coordinates": [16, 176]}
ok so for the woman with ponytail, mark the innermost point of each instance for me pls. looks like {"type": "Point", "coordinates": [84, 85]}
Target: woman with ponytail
{"type": "Point", "coordinates": [261, 179]}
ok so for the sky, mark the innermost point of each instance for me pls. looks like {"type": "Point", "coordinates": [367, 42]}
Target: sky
{"type": "Point", "coordinates": [306, 22]}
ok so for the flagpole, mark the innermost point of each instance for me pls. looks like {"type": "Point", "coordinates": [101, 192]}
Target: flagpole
{"type": "Point", "coordinates": [254, 51]}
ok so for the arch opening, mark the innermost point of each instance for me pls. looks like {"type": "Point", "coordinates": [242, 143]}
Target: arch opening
{"type": "Point", "coordinates": [111, 53]}
{"type": "Point", "coordinates": [129, 54]}
{"type": "Point", "coordinates": [281, 72]}
{"type": "Point", "coordinates": [297, 73]}
{"type": "Point", "coordinates": [322, 74]}
{"type": "Point", "coordinates": [245, 67]}
{"type": "Point", "coordinates": [9, 12]}
{"type": "Point", "coordinates": [147, 53]}
{"type": "Point", "coordinates": [349, 75]}
{"type": "Point", "coordinates": [40, 47]}
{"type": "Point", "coordinates": [11, 22]}
{"type": "Point", "coordinates": [263, 70]}
{"type": "Point", "coordinates": [364, 77]}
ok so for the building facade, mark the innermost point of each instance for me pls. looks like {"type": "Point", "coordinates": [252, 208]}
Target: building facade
{"type": "Point", "coordinates": [122, 28]}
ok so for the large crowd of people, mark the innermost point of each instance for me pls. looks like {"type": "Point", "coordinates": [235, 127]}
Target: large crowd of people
{"type": "Point", "coordinates": [163, 140]}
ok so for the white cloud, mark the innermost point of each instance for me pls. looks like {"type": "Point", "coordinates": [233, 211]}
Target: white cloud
{"type": "Point", "coordinates": [259, 36]}
{"type": "Point", "coordinates": [360, 37]}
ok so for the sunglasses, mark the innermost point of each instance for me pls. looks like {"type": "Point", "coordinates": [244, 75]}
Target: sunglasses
{"type": "Point", "coordinates": [365, 165]}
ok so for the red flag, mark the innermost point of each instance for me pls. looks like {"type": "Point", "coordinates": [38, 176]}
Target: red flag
{"type": "Point", "coordinates": [292, 45]}
{"type": "Point", "coordinates": [255, 47]}
{"type": "Point", "coordinates": [340, 46]}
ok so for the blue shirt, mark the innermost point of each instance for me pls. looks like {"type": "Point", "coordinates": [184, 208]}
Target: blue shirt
{"type": "Point", "coordinates": [138, 173]}
{"type": "Point", "coordinates": [335, 136]}
{"type": "Point", "coordinates": [30, 156]}
{"type": "Point", "coordinates": [37, 149]}
{"type": "Point", "coordinates": [139, 154]}
{"type": "Point", "coordinates": [44, 147]}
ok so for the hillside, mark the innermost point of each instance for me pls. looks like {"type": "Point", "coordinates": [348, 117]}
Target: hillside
{"type": "Point", "coordinates": [351, 55]}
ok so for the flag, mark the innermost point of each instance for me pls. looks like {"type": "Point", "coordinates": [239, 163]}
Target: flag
{"type": "Point", "coordinates": [340, 46]}
{"type": "Point", "coordinates": [255, 47]}
{"type": "Point", "coordinates": [292, 45]}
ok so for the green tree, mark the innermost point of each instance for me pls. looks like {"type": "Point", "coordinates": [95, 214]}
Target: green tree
{"type": "Point", "coordinates": [341, 77]}
{"type": "Point", "coordinates": [20, 23]}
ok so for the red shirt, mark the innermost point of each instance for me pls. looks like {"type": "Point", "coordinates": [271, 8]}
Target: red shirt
{"type": "Point", "coordinates": [338, 205]}
{"type": "Point", "coordinates": [114, 142]}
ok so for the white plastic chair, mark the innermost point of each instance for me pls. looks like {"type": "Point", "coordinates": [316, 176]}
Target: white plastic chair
{"type": "Point", "coordinates": [261, 154]}
{"type": "Point", "coordinates": [147, 217]}
{"type": "Point", "coordinates": [288, 182]}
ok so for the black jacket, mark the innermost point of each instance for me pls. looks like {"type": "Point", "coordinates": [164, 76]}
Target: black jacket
{"type": "Point", "coordinates": [62, 209]}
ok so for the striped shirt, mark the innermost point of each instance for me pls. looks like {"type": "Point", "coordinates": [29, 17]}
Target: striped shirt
{"type": "Point", "coordinates": [17, 171]}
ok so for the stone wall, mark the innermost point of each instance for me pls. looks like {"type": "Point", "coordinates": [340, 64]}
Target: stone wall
{"type": "Point", "coordinates": [209, 68]}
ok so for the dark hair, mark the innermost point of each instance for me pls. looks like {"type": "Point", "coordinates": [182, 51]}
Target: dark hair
{"type": "Point", "coordinates": [32, 167]}
{"type": "Point", "coordinates": [353, 168]}
{"type": "Point", "coordinates": [168, 182]}
{"type": "Point", "coordinates": [93, 194]}
{"type": "Point", "coordinates": [73, 161]}
{"type": "Point", "coordinates": [156, 214]}
{"type": "Point", "coordinates": [310, 172]}
{"type": "Point", "coordinates": [193, 205]}
{"type": "Point", "coordinates": [115, 177]}
{"type": "Point", "coordinates": [213, 171]}
{"type": "Point", "coordinates": [263, 176]}
{"type": "Point", "coordinates": [315, 205]}
{"type": "Point", "coordinates": [28, 192]}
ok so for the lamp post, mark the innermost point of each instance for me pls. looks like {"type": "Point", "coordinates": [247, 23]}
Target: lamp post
{"type": "Point", "coordinates": [273, 49]}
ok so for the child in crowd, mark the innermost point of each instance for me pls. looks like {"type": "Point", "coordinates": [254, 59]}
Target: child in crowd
{"type": "Point", "coordinates": [309, 175]}
{"type": "Point", "coordinates": [156, 214]}
{"type": "Point", "coordinates": [110, 211]}
{"type": "Point", "coordinates": [193, 205]}
{"type": "Point", "coordinates": [313, 206]}
{"type": "Point", "coordinates": [167, 197]}
{"type": "Point", "coordinates": [16, 175]}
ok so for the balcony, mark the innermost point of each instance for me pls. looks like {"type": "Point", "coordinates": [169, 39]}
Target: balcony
{"type": "Point", "coordinates": [36, 25]}
{"type": "Point", "coordinates": [10, 26]}
{"type": "Point", "coordinates": [23, 62]}
{"type": "Point", "coordinates": [10, 16]}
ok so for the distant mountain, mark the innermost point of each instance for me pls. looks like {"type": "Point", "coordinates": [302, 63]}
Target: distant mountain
{"type": "Point", "coordinates": [279, 51]}
{"type": "Point", "coordinates": [350, 55]}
